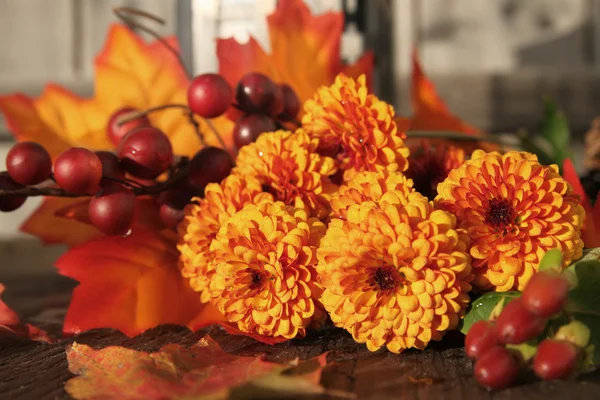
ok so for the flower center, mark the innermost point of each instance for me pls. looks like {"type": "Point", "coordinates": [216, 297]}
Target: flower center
{"type": "Point", "coordinates": [426, 171]}
{"type": "Point", "coordinates": [499, 213]}
{"type": "Point", "coordinates": [257, 279]}
{"type": "Point", "coordinates": [385, 278]}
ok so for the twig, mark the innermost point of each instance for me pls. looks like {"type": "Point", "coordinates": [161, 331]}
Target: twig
{"type": "Point", "coordinates": [196, 126]}
{"type": "Point", "coordinates": [125, 13]}
{"type": "Point", "coordinates": [180, 172]}
{"type": "Point", "coordinates": [130, 117]}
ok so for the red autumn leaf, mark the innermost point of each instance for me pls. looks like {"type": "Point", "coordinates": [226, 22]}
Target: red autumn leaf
{"type": "Point", "coordinates": [203, 371]}
{"type": "Point", "coordinates": [305, 51]}
{"type": "Point", "coordinates": [133, 284]}
{"type": "Point", "coordinates": [429, 110]}
{"type": "Point", "coordinates": [591, 227]}
{"type": "Point", "coordinates": [10, 322]}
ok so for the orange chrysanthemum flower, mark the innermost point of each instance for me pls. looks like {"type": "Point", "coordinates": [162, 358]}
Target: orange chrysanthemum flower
{"type": "Point", "coordinates": [346, 118]}
{"type": "Point", "coordinates": [514, 210]}
{"type": "Point", "coordinates": [203, 220]}
{"type": "Point", "coordinates": [364, 186]}
{"type": "Point", "coordinates": [288, 166]}
{"type": "Point", "coordinates": [429, 165]}
{"type": "Point", "coordinates": [395, 275]}
{"type": "Point", "coordinates": [265, 280]}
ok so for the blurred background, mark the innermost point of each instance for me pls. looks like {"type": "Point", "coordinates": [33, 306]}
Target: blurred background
{"type": "Point", "coordinates": [492, 61]}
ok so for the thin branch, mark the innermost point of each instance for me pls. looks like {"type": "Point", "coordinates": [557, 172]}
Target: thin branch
{"type": "Point", "coordinates": [130, 117]}
{"type": "Point", "coordinates": [125, 14]}
{"type": "Point", "coordinates": [180, 172]}
{"type": "Point", "coordinates": [196, 126]}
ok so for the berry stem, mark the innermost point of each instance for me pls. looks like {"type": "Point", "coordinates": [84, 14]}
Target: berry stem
{"type": "Point", "coordinates": [196, 126]}
{"type": "Point", "coordinates": [125, 14]}
{"type": "Point", "coordinates": [180, 172]}
{"type": "Point", "coordinates": [131, 117]}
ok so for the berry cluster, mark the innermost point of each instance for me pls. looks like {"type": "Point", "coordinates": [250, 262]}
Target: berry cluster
{"type": "Point", "coordinates": [494, 344]}
{"type": "Point", "coordinates": [144, 154]}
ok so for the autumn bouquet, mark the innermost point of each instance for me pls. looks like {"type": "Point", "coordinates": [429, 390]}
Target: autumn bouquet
{"type": "Point", "coordinates": [281, 194]}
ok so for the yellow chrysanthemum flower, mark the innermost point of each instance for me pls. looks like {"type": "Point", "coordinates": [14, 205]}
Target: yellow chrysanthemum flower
{"type": "Point", "coordinates": [429, 165]}
{"type": "Point", "coordinates": [202, 221]}
{"type": "Point", "coordinates": [364, 186]}
{"type": "Point", "coordinates": [514, 210]}
{"type": "Point", "coordinates": [264, 259]}
{"type": "Point", "coordinates": [395, 275]}
{"type": "Point", "coordinates": [288, 166]}
{"type": "Point", "coordinates": [357, 126]}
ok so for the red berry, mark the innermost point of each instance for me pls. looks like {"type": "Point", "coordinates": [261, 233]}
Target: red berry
{"type": "Point", "coordinates": [111, 165]}
{"type": "Point", "coordinates": [248, 128]}
{"type": "Point", "coordinates": [276, 106]}
{"type": "Point", "coordinates": [78, 171]}
{"type": "Point", "coordinates": [146, 152]}
{"type": "Point", "coordinates": [211, 164]}
{"type": "Point", "coordinates": [10, 203]}
{"type": "Point", "coordinates": [209, 95]}
{"type": "Point", "coordinates": [170, 216]}
{"type": "Point", "coordinates": [516, 324]}
{"type": "Point", "coordinates": [497, 368]}
{"type": "Point", "coordinates": [546, 294]}
{"type": "Point", "coordinates": [112, 209]}
{"type": "Point", "coordinates": [255, 92]}
{"type": "Point", "coordinates": [117, 132]}
{"type": "Point", "coordinates": [555, 359]}
{"type": "Point", "coordinates": [291, 103]}
{"type": "Point", "coordinates": [28, 163]}
{"type": "Point", "coordinates": [481, 337]}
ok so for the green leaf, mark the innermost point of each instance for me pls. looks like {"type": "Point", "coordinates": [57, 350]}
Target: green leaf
{"type": "Point", "coordinates": [529, 145]}
{"type": "Point", "coordinates": [555, 130]}
{"type": "Point", "coordinates": [482, 307]}
{"type": "Point", "coordinates": [552, 260]}
{"type": "Point", "coordinates": [584, 300]}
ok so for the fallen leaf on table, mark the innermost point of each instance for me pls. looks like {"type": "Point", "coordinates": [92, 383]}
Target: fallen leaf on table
{"type": "Point", "coordinates": [203, 371]}
{"type": "Point", "coordinates": [305, 51]}
{"type": "Point", "coordinates": [10, 322]}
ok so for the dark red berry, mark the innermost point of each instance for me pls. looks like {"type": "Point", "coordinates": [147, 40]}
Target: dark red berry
{"type": "Point", "coordinates": [255, 92]}
{"type": "Point", "coordinates": [276, 107]}
{"type": "Point", "coordinates": [497, 368]}
{"type": "Point", "coordinates": [78, 170]}
{"type": "Point", "coordinates": [172, 203]}
{"type": "Point", "coordinates": [209, 95]}
{"type": "Point", "coordinates": [291, 103]}
{"type": "Point", "coordinates": [170, 216]}
{"type": "Point", "coordinates": [146, 152]}
{"type": "Point", "coordinates": [211, 164]}
{"type": "Point", "coordinates": [555, 359]}
{"type": "Point", "coordinates": [516, 324]}
{"type": "Point", "coordinates": [117, 132]}
{"type": "Point", "coordinates": [248, 128]}
{"type": "Point", "coordinates": [112, 209]}
{"type": "Point", "coordinates": [111, 165]}
{"type": "Point", "coordinates": [546, 294]}
{"type": "Point", "coordinates": [28, 163]}
{"type": "Point", "coordinates": [10, 203]}
{"type": "Point", "coordinates": [481, 337]}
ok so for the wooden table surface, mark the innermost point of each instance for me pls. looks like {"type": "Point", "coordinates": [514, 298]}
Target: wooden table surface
{"type": "Point", "coordinates": [35, 370]}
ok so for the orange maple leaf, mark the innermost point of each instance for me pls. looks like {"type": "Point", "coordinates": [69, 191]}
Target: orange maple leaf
{"type": "Point", "coordinates": [203, 371]}
{"type": "Point", "coordinates": [129, 73]}
{"type": "Point", "coordinates": [10, 322]}
{"type": "Point", "coordinates": [305, 51]}
{"type": "Point", "coordinates": [133, 284]}
{"type": "Point", "coordinates": [591, 227]}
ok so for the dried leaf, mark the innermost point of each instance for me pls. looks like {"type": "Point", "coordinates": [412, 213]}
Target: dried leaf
{"type": "Point", "coordinates": [305, 51]}
{"type": "Point", "coordinates": [203, 371]}
{"type": "Point", "coordinates": [10, 322]}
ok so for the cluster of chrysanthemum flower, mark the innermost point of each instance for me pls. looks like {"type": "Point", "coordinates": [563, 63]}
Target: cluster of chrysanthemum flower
{"type": "Point", "coordinates": [323, 222]}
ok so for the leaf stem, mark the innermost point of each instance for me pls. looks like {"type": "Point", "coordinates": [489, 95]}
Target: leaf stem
{"type": "Point", "coordinates": [130, 117]}
{"type": "Point", "coordinates": [125, 14]}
